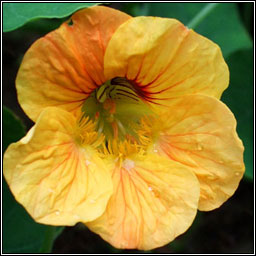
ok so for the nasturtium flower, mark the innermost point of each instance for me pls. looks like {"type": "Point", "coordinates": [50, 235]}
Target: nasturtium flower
{"type": "Point", "coordinates": [130, 137]}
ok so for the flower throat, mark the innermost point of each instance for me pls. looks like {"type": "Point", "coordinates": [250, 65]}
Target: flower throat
{"type": "Point", "coordinates": [116, 109]}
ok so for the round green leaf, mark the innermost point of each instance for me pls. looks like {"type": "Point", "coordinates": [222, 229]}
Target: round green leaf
{"type": "Point", "coordinates": [16, 15]}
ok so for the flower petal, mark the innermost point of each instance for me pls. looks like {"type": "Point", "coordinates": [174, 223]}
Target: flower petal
{"type": "Point", "coordinates": [56, 181]}
{"type": "Point", "coordinates": [63, 67]}
{"type": "Point", "coordinates": [200, 132]}
{"type": "Point", "coordinates": [164, 59]}
{"type": "Point", "coordinates": [154, 201]}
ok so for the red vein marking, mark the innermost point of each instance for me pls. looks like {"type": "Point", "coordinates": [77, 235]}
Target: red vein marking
{"type": "Point", "coordinates": [193, 153]}
{"type": "Point", "coordinates": [61, 54]}
{"type": "Point", "coordinates": [71, 183]}
{"type": "Point", "coordinates": [170, 63]}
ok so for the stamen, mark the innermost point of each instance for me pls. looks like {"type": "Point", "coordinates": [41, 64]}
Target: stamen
{"type": "Point", "coordinates": [86, 134]}
{"type": "Point", "coordinates": [115, 109]}
{"type": "Point", "coordinates": [123, 149]}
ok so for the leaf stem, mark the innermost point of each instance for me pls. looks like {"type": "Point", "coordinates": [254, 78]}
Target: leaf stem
{"type": "Point", "coordinates": [48, 240]}
{"type": "Point", "coordinates": [201, 15]}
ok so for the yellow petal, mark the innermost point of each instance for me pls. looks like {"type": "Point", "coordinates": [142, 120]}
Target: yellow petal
{"type": "Point", "coordinates": [57, 182]}
{"type": "Point", "coordinates": [63, 67]}
{"type": "Point", "coordinates": [200, 132]}
{"type": "Point", "coordinates": [164, 59]}
{"type": "Point", "coordinates": [154, 201]}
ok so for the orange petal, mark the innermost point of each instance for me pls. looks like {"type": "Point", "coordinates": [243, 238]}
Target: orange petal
{"type": "Point", "coordinates": [63, 67]}
{"type": "Point", "coordinates": [164, 59]}
{"type": "Point", "coordinates": [200, 132]}
{"type": "Point", "coordinates": [154, 200]}
{"type": "Point", "coordinates": [56, 181]}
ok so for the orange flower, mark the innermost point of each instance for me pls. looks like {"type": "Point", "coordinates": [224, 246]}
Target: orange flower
{"type": "Point", "coordinates": [130, 137]}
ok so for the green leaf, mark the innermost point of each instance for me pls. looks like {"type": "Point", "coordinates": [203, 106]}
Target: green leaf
{"type": "Point", "coordinates": [51, 233]}
{"type": "Point", "coordinates": [21, 234]}
{"type": "Point", "coordinates": [239, 98]}
{"type": "Point", "coordinates": [222, 25]}
{"type": "Point", "coordinates": [16, 15]}
{"type": "Point", "coordinates": [200, 16]}
{"type": "Point", "coordinates": [247, 15]}
{"type": "Point", "coordinates": [13, 128]}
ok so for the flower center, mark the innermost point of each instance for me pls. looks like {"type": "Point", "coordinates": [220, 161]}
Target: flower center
{"type": "Point", "coordinates": [117, 110]}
